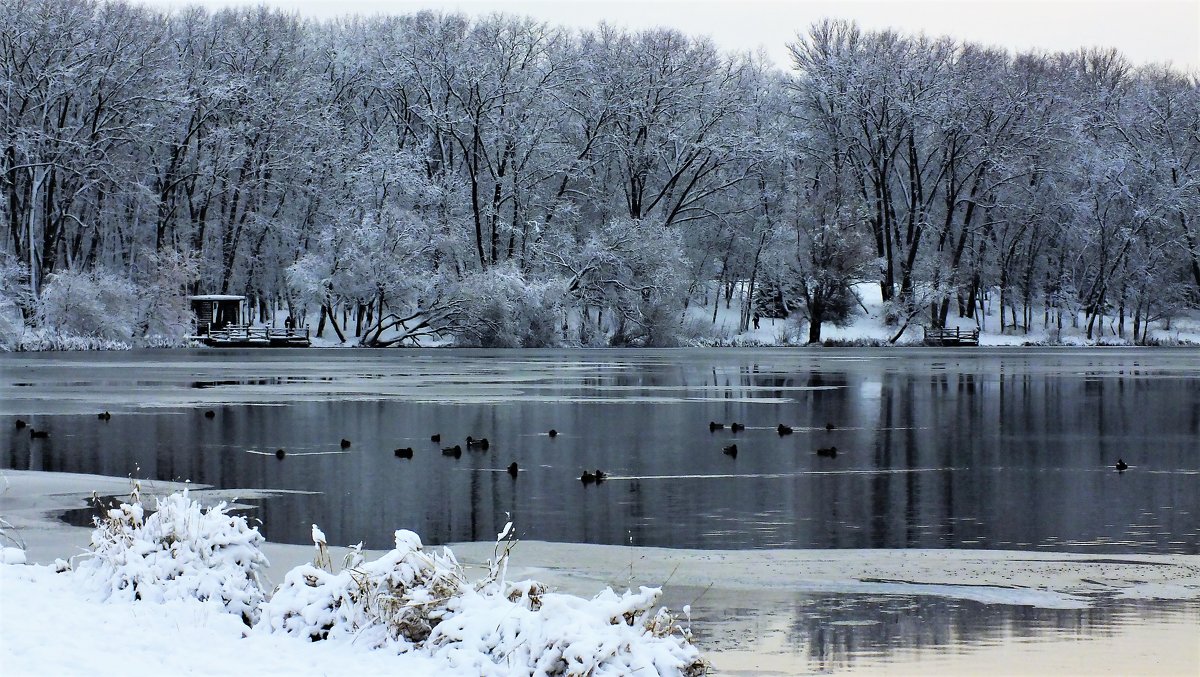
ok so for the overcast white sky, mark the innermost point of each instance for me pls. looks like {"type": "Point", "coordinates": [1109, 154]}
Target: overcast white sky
{"type": "Point", "coordinates": [1146, 31]}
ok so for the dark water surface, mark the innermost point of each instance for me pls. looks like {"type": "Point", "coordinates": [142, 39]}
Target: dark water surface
{"type": "Point", "coordinates": [1000, 449]}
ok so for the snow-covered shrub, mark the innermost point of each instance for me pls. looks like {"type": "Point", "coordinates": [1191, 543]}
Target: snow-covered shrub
{"type": "Point", "coordinates": [508, 311]}
{"type": "Point", "coordinates": [626, 282]}
{"type": "Point", "coordinates": [15, 300]}
{"type": "Point", "coordinates": [395, 599]}
{"type": "Point", "coordinates": [181, 551]}
{"type": "Point", "coordinates": [163, 312]}
{"type": "Point", "coordinates": [93, 303]}
{"type": "Point", "coordinates": [519, 628]}
{"type": "Point", "coordinates": [41, 339]}
{"type": "Point", "coordinates": [411, 599]}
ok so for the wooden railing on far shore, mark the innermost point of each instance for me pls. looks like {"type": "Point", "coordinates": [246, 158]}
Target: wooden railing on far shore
{"type": "Point", "coordinates": [951, 337]}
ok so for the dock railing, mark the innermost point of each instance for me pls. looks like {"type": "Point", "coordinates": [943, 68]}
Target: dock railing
{"type": "Point", "coordinates": [243, 335]}
{"type": "Point", "coordinates": [953, 336]}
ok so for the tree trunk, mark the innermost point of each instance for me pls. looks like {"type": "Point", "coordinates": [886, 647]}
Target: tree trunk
{"type": "Point", "coordinates": [816, 317]}
{"type": "Point", "coordinates": [326, 311]}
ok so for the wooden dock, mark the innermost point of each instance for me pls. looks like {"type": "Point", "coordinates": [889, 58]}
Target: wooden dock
{"type": "Point", "coordinates": [951, 337]}
{"type": "Point", "coordinates": [256, 337]}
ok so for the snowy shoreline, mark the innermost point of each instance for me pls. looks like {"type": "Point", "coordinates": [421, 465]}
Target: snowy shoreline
{"type": "Point", "coordinates": [29, 500]}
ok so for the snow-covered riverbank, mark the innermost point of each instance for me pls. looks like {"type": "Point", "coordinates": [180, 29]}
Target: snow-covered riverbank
{"type": "Point", "coordinates": [208, 644]}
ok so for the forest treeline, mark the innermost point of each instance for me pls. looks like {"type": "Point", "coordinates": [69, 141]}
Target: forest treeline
{"type": "Point", "coordinates": [510, 182]}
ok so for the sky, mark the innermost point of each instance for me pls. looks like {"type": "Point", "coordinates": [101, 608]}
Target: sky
{"type": "Point", "coordinates": [1146, 31]}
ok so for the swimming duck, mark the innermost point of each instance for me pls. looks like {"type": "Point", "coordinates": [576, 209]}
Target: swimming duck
{"type": "Point", "coordinates": [830, 426]}
{"type": "Point", "coordinates": [1122, 466]}
{"type": "Point", "coordinates": [473, 443]}
{"type": "Point", "coordinates": [784, 430]}
{"type": "Point", "coordinates": [21, 424]}
{"type": "Point", "coordinates": [731, 450]}
{"type": "Point", "coordinates": [512, 469]}
{"type": "Point", "coordinates": [404, 452]}
{"type": "Point", "coordinates": [601, 476]}
{"type": "Point", "coordinates": [828, 452]}
{"type": "Point", "coordinates": [38, 434]}
{"type": "Point", "coordinates": [436, 437]}
{"type": "Point", "coordinates": [714, 426]}
{"type": "Point", "coordinates": [587, 477]}
{"type": "Point", "coordinates": [553, 433]}
{"type": "Point", "coordinates": [345, 443]}
{"type": "Point", "coordinates": [454, 451]}
{"type": "Point", "coordinates": [280, 453]}
{"type": "Point", "coordinates": [210, 413]}
{"type": "Point", "coordinates": [104, 416]}
{"type": "Point", "coordinates": [737, 427]}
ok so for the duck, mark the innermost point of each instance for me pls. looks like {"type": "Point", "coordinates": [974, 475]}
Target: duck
{"type": "Point", "coordinates": [553, 433]}
{"type": "Point", "coordinates": [731, 450]}
{"type": "Point", "coordinates": [828, 452]}
{"type": "Point", "coordinates": [21, 424]}
{"type": "Point", "coordinates": [104, 416]}
{"type": "Point", "coordinates": [830, 427]}
{"type": "Point", "coordinates": [587, 477]}
{"type": "Point", "coordinates": [38, 434]}
{"type": "Point", "coordinates": [601, 476]}
{"type": "Point", "coordinates": [454, 451]}
{"type": "Point", "coordinates": [737, 427]}
{"type": "Point", "coordinates": [345, 443]}
{"type": "Point", "coordinates": [784, 430]}
{"type": "Point", "coordinates": [714, 426]}
{"type": "Point", "coordinates": [436, 437]}
{"type": "Point", "coordinates": [473, 443]}
{"type": "Point", "coordinates": [280, 453]}
{"type": "Point", "coordinates": [210, 413]}
{"type": "Point", "coordinates": [404, 452]}
{"type": "Point", "coordinates": [1122, 466]}
{"type": "Point", "coordinates": [513, 469]}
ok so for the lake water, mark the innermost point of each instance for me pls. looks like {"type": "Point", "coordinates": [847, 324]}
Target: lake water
{"type": "Point", "coordinates": [992, 449]}
{"type": "Point", "coordinates": [1001, 449]}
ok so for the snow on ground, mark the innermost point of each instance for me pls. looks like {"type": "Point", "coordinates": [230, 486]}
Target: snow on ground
{"type": "Point", "coordinates": [202, 639]}
{"type": "Point", "coordinates": [59, 632]}
{"type": "Point", "coordinates": [868, 325]}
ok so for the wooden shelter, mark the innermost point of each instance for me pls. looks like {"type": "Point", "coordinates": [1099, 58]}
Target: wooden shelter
{"type": "Point", "coordinates": [219, 324]}
{"type": "Point", "coordinates": [216, 311]}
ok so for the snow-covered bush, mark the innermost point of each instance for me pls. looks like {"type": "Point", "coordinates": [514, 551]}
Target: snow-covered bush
{"type": "Point", "coordinates": [163, 312]}
{"type": "Point", "coordinates": [505, 310]}
{"type": "Point", "coordinates": [630, 275]}
{"type": "Point", "coordinates": [519, 628]}
{"type": "Point", "coordinates": [94, 303]}
{"type": "Point", "coordinates": [41, 340]}
{"type": "Point", "coordinates": [181, 551]}
{"type": "Point", "coordinates": [395, 599]}
{"type": "Point", "coordinates": [15, 300]}
{"type": "Point", "coordinates": [411, 599]}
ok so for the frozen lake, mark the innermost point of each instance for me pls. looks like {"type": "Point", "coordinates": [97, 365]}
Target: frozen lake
{"type": "Point", "coordinates": [979, 449]}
